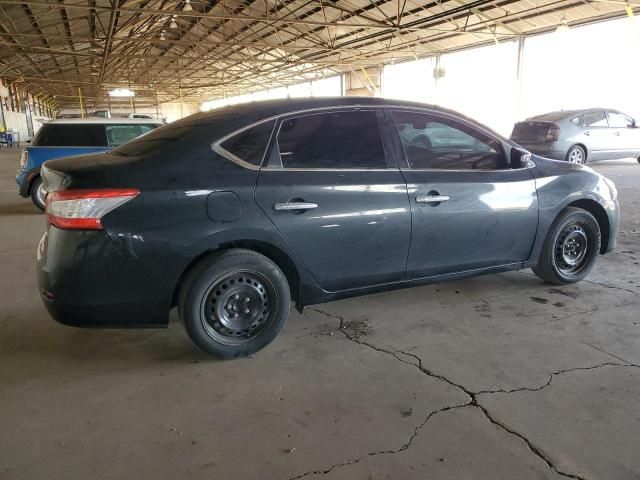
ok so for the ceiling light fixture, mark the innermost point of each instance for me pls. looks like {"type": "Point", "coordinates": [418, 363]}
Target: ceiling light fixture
{"type": "Point", "coordinates": [187, 6]}
{"type": "Point", "coordinates": [162, 37]}
{"type": "Point", "coordinates": [121, 92]}
{"type": "Point", "coordinates": [172, 24]}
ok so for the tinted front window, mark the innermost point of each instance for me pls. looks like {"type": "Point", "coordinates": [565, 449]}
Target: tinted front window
{"type": "Point", "coordinates": [331, 140]}
{"type": "Point", "coordinates": [249, 145]}
{"type": "Point", "coordinates": [618, 120]}
{"type": "Point", "coordinates": [438, 143]}
{"type": "Point", "coordinates": [70, 135]}
{"type": "Point", "coordinates": [120, 134]}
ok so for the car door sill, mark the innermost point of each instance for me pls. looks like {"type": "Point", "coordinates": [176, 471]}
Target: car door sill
{"type": "Point", "coordinates": [429, 279]}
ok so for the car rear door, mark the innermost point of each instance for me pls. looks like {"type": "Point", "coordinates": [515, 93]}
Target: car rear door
{"type": "Point", "coordinates": [337, 197]}
{"type": "Point", "coordinates": [469, 209]}
{"type": "Point", "coordinates": [596, 135]}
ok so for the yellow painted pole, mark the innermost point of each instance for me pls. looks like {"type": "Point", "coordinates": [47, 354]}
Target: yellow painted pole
{"type": "Point", "coordinates": [81, 107]}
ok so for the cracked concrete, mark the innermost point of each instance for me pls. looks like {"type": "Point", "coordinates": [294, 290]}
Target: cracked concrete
{"type": "Point", "coordinates": [489, 378]}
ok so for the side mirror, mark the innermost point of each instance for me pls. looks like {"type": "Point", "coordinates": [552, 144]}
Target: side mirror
{"type": "Point", "coordinates": [520, 158]}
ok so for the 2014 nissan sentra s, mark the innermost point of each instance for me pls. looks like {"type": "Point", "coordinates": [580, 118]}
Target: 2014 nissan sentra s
{"type": "Point", "coordinates": [232, 214]}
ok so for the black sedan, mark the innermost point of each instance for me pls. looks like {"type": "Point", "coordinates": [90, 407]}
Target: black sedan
{"type": "Point", "coordinates": [231, 215]}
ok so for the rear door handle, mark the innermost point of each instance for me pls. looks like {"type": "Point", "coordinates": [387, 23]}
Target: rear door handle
{"type": "Point", "coordinates": [587, 133]}
{"type": "Point", "coordinates": [618, 133]}
{"type": "Point", "coordinates": [432, 198]}
{"type": "Point", "coordinates": [294, 206]}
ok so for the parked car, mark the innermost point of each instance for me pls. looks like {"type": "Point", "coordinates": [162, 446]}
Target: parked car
{"type": "Point", "coordinates": [579, 136]}
{"type": "Point", "coordinates": [231, 214]}
{"type": "Point", "coordinates": [73, 136]}
{"type": "Point", "coordinates": [141, 115]}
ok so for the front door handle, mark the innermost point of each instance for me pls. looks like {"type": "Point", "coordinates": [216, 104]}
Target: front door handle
{"type": "Point", "coordinates": [294, 206]}
{"type": "Point", "coordinates": [587, 133]}
{"type": "Point", "coordinates": [430, 199]}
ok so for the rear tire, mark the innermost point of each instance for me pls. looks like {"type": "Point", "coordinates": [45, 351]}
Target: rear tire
{"type": "Point", "coordinates": [577, 154]}
{"type": "Point", "coordinates": [570, 249]}
{"type": "Point", "coordinates": [37, 193]}
{"type": "Point", "coordinates": [234, 303]}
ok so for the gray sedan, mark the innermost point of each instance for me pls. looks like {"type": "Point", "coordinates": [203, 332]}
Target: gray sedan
{"type": "Point", "coordinates": [579, 136]}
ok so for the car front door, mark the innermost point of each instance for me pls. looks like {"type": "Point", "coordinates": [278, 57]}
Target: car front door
{"type": "Point", "coordinates": [627, 137]}
{"type": "Point", "coordinates": [337, 197]}
{"type": "Point", "coordinates": [470, 210]}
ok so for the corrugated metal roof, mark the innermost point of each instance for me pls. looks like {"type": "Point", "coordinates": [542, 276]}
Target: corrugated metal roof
{"type": "Point", "coordinates": [230, 47]}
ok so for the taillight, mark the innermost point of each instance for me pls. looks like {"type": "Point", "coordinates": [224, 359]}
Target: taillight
{"type": "Point", "coordinates": [24, 159]}
{"type": "Point", "coordinates": [83, 209]}
{"type": "Point", "coordinates": [553, 133]}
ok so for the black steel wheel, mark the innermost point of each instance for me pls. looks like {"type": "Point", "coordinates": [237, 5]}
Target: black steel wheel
{"type": "Point", "coordinates": [234, 303]}
{"type": "Point", "coordinates": [570, 249]}
{"type": "Point", "coordinates": [238, 307]}
{"type": "Point", "coordinates": [577, 154]}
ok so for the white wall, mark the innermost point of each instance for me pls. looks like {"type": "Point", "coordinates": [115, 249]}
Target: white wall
{"type": "Point", "coordinates": [583, 67]}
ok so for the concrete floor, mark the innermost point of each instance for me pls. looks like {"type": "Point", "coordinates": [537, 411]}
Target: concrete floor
{"type": "Point", "coordinates": [497, 377]}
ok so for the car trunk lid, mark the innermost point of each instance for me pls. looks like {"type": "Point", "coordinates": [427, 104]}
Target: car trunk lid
{"type": "Point", "coordinates": [84, 171]}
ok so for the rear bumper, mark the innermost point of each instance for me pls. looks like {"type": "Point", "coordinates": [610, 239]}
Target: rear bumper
{"type": "Point", "coordinates": [545, 150]}
{"type": "Point", "coordinates": [84, 281]}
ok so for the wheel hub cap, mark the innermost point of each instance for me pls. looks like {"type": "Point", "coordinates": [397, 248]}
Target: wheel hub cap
{"type": "Point", "coordinates": [238, 307]}
{"type": "Point", "coordinates": [575, 156]}
{"type": "Point", "coordinates": [572, 248]}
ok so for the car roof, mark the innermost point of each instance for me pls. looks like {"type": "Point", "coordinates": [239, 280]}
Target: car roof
{"type": "Point", "coordinates": [92, 121]}
{"type": "Point", "coordinates": [295, 104]}
{"type": "Point", "coordinates": [255, 111]}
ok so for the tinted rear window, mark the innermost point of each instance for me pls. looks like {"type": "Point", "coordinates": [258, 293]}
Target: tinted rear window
{"type": "Point", "coordinates": [70, 135]}
{"type": "Point", "coordinates": [120, 134]}
{"type": "Point", "coordinates": [530, 131]}
{"type": "Point", "coordinates": [332, 140]}
{"type": "Point", "coordinates": [159, 138]}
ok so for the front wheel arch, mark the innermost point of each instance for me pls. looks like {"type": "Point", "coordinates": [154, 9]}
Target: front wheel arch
{"type": "Point", "coordinates": [598, 211]}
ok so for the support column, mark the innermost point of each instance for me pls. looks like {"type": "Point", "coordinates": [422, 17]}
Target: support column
{"type": "Point", "coordinates": [363, 82]}
{"type": "Point", "coordinates": [518, 110]}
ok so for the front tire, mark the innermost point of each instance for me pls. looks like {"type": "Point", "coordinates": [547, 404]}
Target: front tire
{"type": "Point", "coordinates": [37, 193]}
{"type": "Point", "coordinates": [577, 154]}
{"type": "Point", "coordinates": [570, 249]}
{"type": "Point", "coordinates": [234, 303]}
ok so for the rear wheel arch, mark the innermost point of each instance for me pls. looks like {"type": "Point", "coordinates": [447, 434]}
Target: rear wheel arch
{"type": "Point", "coordinates": [598, 211]}
{"type": "Point", "coordinates": [273, 253]}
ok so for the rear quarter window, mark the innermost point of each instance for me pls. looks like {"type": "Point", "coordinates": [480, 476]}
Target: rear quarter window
{"type": "Point", "coordinates": [249, 145]}
{"type": "Point", "coordinates": [71, 135]}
